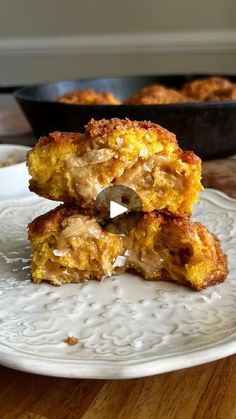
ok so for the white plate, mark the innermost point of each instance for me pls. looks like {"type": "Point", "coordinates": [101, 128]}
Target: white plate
{"type": "Point", "coordinates": [126, 327]}
{"type": "Point", "coordinates": [14, 179]}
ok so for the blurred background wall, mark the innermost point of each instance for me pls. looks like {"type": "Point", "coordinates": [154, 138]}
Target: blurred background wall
{"type": "Point", "coordinates": [62, 39]}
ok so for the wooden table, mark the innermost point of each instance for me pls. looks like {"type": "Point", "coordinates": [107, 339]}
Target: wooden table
{"type": "Point", "coordinates": [203, 392]}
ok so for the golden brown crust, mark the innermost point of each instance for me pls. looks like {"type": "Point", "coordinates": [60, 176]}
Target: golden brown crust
{"type": "Point", "coordinates": [51, 221]}
{"type": "Point", "coordinates": [47, 222]}
{"type": "Point", "coordinates": [156, 95]}
{"type": "Point", "coordinates": [58, 138]}
{"type": "Point", "coordinates": [202, 89]}
{"type": "Point", "coordinates": [88, 97]}
{"type": "Point", "coordinates": [190, 158]}
{"type": "Point", "coordinates": [215, 256]}
{"type": "Point", "coordinates": [104, 127]}
{"type": "Point", "coordinates": [222, 94]}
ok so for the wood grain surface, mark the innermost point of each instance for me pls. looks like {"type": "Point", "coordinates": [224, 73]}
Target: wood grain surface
{"type": "Point", "coordinates": [221, 174]}
{"type": "Point", "coordinates": [20, 125]}
{"type": "Point", "coordinates": [204, 392]}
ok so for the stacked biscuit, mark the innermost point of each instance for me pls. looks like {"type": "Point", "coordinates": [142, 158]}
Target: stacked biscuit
{"type": "Point", "coordinates": [70, 246]}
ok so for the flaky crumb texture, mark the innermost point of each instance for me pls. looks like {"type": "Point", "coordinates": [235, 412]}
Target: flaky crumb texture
{"type": "Point", "coordinates": [69, 246]}
{"type": "Point", "coordinates": [74, 168]}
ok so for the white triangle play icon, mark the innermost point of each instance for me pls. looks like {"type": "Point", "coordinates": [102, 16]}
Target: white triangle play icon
{"type": "Point", "coordinates": [116, 209]}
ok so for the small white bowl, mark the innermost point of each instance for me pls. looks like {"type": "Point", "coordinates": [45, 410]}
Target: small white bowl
{"type": "Point", "coordinates": [14, 179]}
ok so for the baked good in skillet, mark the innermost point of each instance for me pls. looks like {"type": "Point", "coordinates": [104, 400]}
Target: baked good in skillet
{"type": "Point", "coordinates": [88, 97]}
{"type": "Point", "coordinates": [156, 94]}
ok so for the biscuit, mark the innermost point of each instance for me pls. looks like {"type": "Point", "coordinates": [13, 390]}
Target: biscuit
{"type": "Point", "coordinates": [69, 246]}
{"type": "Point", "coordinates": [156, 94]}
{"type": "Point", "coordinates": [74, 168]}
{"type": "Point", "coordinates": [88, 97]}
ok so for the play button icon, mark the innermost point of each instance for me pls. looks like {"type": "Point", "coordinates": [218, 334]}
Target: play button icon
{"type": "Point", "coordinates": [118, 209]}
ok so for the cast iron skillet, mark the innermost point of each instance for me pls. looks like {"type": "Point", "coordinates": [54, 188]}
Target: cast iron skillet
{"type": "Point", "coordinates": [207, 128]}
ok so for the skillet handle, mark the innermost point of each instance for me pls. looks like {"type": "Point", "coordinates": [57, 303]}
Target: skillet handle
{"type": "Point", "coordinates": [8, 89]}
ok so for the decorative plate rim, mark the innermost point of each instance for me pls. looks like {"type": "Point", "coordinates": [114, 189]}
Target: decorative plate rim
{"type": "Point", "coordinates": [111, 369]}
